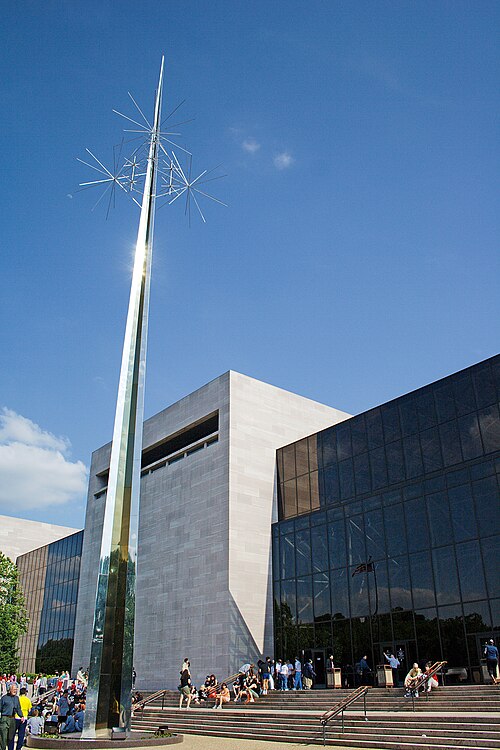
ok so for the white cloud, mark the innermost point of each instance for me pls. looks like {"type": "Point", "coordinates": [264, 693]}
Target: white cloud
{"type": "Point", "coordinates": [283, 160]}
{"type": "Point", "coordinates": [34, 470]}
{"type": "Point", "coordinates": [250, 145]}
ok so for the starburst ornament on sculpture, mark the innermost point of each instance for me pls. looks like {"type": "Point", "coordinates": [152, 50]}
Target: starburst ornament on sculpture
{"type": "Point", "coordinates": [153, 170]}
{"type": "Point", "coordinates": [128, 173]}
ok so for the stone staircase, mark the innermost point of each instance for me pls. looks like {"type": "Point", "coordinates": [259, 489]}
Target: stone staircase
{"type": "Point", "coordinates": [452, 717]}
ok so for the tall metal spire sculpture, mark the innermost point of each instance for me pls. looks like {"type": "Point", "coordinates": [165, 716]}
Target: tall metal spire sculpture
{"type": "Point", "coordinates": [158, 172]}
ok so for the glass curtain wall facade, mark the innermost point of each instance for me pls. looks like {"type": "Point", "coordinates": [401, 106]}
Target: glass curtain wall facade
{"type": "Point", "coordinates": [389, 529]}
{"type": "Point", "coordinates": [49, 576]}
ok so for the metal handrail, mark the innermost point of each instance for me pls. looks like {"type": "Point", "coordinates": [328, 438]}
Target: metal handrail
{"type": "Point", "coordinates": [425, 677]}
{"type": "Point", "coordinates": [140, 705]}
{"type": "Point", "coordinates": [360, 692]}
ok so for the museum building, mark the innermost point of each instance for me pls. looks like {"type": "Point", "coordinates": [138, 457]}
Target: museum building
{"type": "Point", "coordinates": [375, 531]}
{"type": "Point", "coordinates": [389, 529]}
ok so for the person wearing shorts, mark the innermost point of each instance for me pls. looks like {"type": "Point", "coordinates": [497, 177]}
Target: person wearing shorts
{"type": "Point", "coordinates": [185, 684]}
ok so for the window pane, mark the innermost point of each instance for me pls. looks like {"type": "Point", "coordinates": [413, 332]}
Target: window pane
{"type": "Point", "coordinates": [378, 468]}
{"type": "Point", "coordinates": [470, 571]}
{"type": "Point", "coordinates": [314, 485]}
{"type": "Point", "coordinates": [413, 456]}
{"type": "Point", "coordinates": [399, 580]}
{"type": "Point", "coordinates": [408, 416]}
{"type": "Point", "coordinates": [487, 505]}
{"type": "Point", "coordinates": [321, 589]}
{"type": "Point", "coordinates": [313, 453]}
{"type": "Point", "coordinates": [390, 420]}
{"type": "Point", "coordinates": [290, 489]}
{"type": "Point", "coordinates": [374, 428]}
{"type": "Point", "coordinates": [304, 601]}
{"type": "Point", "coordinates": [491, 549]}
{"type": "Point", "coordinates": [431, 452]}
{"type": "Point", "coordinates": [425, 410]}
{"type": "Point", "coordinates": [355, 541]}
{"type": "Point", "coordinates": [362, 474]}
{"type": "Point", "coordinates": [289, 462]}
{"type": "Point", "coordinates": [329, 485]}
{"type": "Point", "coordinates": [395, 466]}
{"type": "Point", "coordinates": [328, 442]}
{"type": "Point", "coordinates": [416, 523]}
{"type": "Point", "coordinates": [445, 402]}
{"type": "Point", "coordinates": [462, 512]}
{"type": "Point", "coordinates": [484, 386]}
{"type": "Point", "coordinates": [445, 575]}
{"type": "Point", "coordinates": [301, 457]}
{"type": "Point", "coordinates": [337, 544]}
{"type": "Point", "coordinates": [344, 449]}
{"type": "Point", "coordinates": [303, 551]}
{"type": "Point", "coordinates": [477, 617]}
{"type": "Point", "coordinates": [439, 518]}
{"type": "Point", "coordinates": [340, 588]}
{"type": "Point", "coordinates": [450, 443]}
{"type": "Point", "coordinates": [319, 549]}
{"type": "Point", "coordinates": [470, 437]}
{"type": "Point", "coordinates": [453, 640]}
{"type": "Point", "coordinates": [489, 423]}
{"type": "Point", "coordinates": [288, 601]}
{"type": "Point", "coordinates": [303, 494]}
{"type": "Point", "coordinates": [359, 594]}
{"type": "Point", "coordinates": [394, 530]}
{"type": "Point", "coordinates": [287, 557]}
{"type": "Point", "coordinates": [465, 400]}
{"type": "Point", "coordinates": [358, 435]}
{"type": "Point", "coordinates": [422, 580]}
{"type": "Point", "coordinates": [374, 531]}
{"type": "Point", "coordinates": [346, 477]}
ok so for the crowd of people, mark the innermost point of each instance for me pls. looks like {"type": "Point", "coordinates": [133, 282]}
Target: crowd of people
{"type": "Point", "coordinates": [20, 715]}
{"type": "Point", "coordinates": [249, 684]}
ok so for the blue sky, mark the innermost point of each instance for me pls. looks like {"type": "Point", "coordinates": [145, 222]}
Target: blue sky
{"type": "Point", "coordinates": [358, 257]}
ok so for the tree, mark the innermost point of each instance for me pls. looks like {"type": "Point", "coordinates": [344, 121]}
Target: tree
{"type": "Point", "coordinates": [13, 615]}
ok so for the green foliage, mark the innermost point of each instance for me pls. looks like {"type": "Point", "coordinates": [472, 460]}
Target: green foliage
{"type": "Point", "coordinates": [13, 615]}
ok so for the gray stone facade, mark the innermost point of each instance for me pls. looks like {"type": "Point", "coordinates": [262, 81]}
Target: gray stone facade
{"type": "Point", "coordinates": [204, 563]}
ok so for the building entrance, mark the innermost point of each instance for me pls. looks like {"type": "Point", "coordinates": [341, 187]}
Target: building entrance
{"type": "Point", "coordinates": [319, 660]}
{"type": "Point", "coordinates": [405, 651]}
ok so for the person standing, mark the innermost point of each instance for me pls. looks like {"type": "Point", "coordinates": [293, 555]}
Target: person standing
{"type": "Point", "coordinates": [308, 674]}
{"type": "Point", "coordinates": [62, 708]}
{"type": "Point", "coordinates": [284, 675]}
{"type": "Point", "coordinates": [394, 664]}
{"type": "Point", "coordinates": [278, 675]}
{"type": "Point", "coordinates": [26, 706]}
{"type": "Point", "coordinates": [185, 684]}
{"type": "Point", "coordinates": [42, 685]}
{"type": "Point", "coordinates": [10, 707]}
{"type": "Point", "coordinates": [297, 682]}
{"type": "Point", "coordinates": [491, 654]}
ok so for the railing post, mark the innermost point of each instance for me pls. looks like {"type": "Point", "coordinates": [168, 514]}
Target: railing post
{"type": "Point", "coordinates": [413, 699]}
{"type": "Point", "coordinates": [342, 721]}
{"type": "Point", "coordinates": [163, 701]}
{"type": "Point", "coordinates": [364, 704]}
{"type": "Point", "coordinates": [324, 733]}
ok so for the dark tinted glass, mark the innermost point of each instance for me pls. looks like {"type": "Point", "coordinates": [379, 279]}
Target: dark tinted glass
{"type": "Point", "coordinates": [453, 639]}
{"type": "Point", "coordinates": [487, 502]}
{"type": "Point", "coordinates": [470, 571]}
{"type": "Point", "coordinates": [395, 465]}
{"type": "Point", "coordinates": [425, 410]}
{"type": "Point", "coordinates": [358, 435]}
{"type": "Point", "coordinates": [288, 600]}
{"type": "Point", "coordinates": [395, 530]}
{"type": "Point", "coordinates": [319, 549]}
{"type": "Point", "coordinates": [374, 531]}
{"type": "Point", "coordinates": [337, 544]}
{"type": "Point", "coordinates": [287, 549]}
{"type": "Point", "coordinates": [314, 486]}
{"type": "Point", "coordinates": [422, 580]}
{"type": "Point", "coordinates": [303, 494]}
{"type": "Point", "coordinates": [450, 443]}
{"type": "Point", "coordinates": [490, 548]}
{"type": "Point", "coordinates": [445, 402]}
{"type": "Point", "coordinates": [462, 512]}
{"type": "Point", "coordinates": [445, 575]}
{"type": "Point", "coordinates": [355, 541]}
{"type": "Point", "coordinates": [378, 468]}
{"type": "Point", "coordinates": [431, 451]}
{"type": "Point", "coordinates": [416, 523]}
{"type": "Point", "coordinates": [439, 518]}
{"type": "Point", "coordinates": [362, 473]}
{"type": "Point", "coordinates": [329, 485]}
{"type": "Point", "coordinates": [344, 449]}
{"type": "Point", "coordinates": [374, 428]}
{"type": "Point", "coordinates": [340, 588]}
{"type": "Point", "coordinates": [290, 492]}
{"type": "Point", "coordinates": [399, 581]}
{"type": "Point", "coordinates": [390, 421]}
{"type": "Point", "coordinates": [359, 595]}
{"type": "Point", "coordinates": [413, 456]}
{"type": "Point", "coordinates": [304, 600]}
{"type": "Point", "coordinates": [303, 551]}
{"type": "Point", "coordinates": [321, 592]}
{"type": "Point", "coordinates": [328, 443]}
{"type": "Point", "coordinates": [489, 424]}
{"type": "Point", "coordinates": [346, 477]}
{"type": "Point", "coordinates": [470, 437]}
{"type": "Point", "coordinates": [379, 589]}
{"type": "Point", "coordinates": [408, 416]}
{"type": "Point", "coordinates": [465, 400]}
{"type": "Point", "coordinates": [484, 386]}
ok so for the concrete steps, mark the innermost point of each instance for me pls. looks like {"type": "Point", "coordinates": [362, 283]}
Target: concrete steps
{"type": "Point", "coordinates": [464, 717]}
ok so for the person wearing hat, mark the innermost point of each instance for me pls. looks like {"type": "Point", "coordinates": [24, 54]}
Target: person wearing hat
{"type": "Point", "coordinates": [491, 654]}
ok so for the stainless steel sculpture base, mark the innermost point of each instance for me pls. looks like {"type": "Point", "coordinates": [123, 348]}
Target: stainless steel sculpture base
{"type": "Point", "coordinates": [110, 674]}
